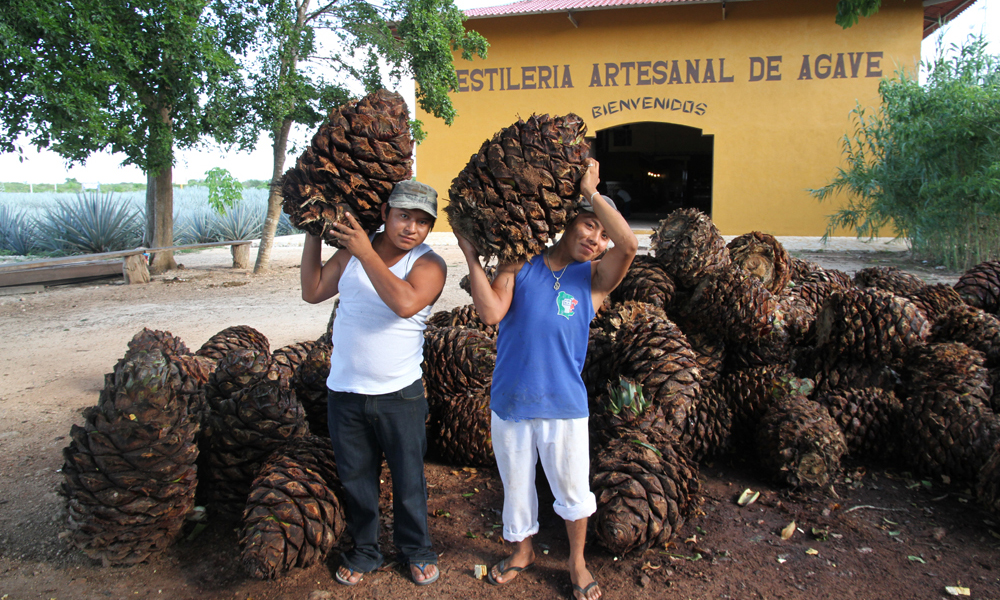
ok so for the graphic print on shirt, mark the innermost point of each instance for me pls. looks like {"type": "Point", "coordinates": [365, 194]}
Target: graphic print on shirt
{"type": "Point", "coordinates": [565, 304]}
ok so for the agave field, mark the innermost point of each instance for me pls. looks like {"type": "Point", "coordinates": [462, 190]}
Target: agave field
{"type": "Point", "coordinates": [63, 223]}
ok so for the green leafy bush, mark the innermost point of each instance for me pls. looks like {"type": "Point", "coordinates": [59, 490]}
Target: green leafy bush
{"type": "Point", "coordinates": [224, 190]}
{"type": "Point", "coordinates": [927, 161]}
{"type": "Point", "coordinates": [92, 223]}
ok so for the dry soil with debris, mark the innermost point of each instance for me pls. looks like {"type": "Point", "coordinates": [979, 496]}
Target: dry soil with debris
{"type": "Point", "coordinates": [882, 535]}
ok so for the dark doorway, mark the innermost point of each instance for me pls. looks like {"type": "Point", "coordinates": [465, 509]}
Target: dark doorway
{"type": "Point", "coordinates": [661, 166]}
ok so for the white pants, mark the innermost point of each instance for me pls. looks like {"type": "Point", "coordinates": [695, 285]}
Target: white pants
{"type": "Point", "coordinates": [563, 446]}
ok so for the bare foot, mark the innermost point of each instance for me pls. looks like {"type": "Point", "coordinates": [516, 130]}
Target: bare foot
{"type": "Point", "coordinates": [584, 586]}
{"type": "Point", "coordinates": [509, 568]}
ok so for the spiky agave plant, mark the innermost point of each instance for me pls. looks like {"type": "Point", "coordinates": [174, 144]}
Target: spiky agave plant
{"type": "Point", "coordinates": [627, 400]}
{"type": "Point", "coordinates": [93, 223]}
{"type": "Point", "coordinates": [17, 231]}
{"type": "Point", "coordinates": [197, 227]}
{"type": "Point", "coordinates": [240, 222]}
{"type": "Point", "coordinates": [624, 406]}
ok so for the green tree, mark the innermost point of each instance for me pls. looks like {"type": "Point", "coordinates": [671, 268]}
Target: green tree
{"type": "Point", "coordinates": [224, 190]}
{"type": "Point", "coordinates": [927, 161]}
{"type": "Point", "coordinates": [141, 77]}
{"type": "Point", "coordinates": [376, 41]}
{"type": "Point", "coordinates": [848, 11]}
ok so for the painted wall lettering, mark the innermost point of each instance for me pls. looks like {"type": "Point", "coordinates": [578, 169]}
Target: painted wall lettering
{"type": "Point", "coordinates": [843, 65]}
{"type": "Point", "coordinates": [874, 64]}
{"type": "Point", "coordinates": [660, 72]}
{"type": "Point", "coordinates": [761, 68]}
{"type": "Point", "coordinates": [499, 79]}
{"type": "Point", "coordinates": [681, 71]}
{"type": "Point", "coordinates": [648, 103]}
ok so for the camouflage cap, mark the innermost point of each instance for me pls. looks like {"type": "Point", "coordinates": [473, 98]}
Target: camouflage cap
{"type": "Point", "coordinates": [414, 195]}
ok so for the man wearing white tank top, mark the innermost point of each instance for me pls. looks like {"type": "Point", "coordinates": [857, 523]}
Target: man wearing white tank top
{"type": "Point", "coordinates": [376, 405]}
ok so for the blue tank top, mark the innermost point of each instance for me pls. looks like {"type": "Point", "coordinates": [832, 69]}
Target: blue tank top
{"type": "Point", "coordinates": [542, 345]}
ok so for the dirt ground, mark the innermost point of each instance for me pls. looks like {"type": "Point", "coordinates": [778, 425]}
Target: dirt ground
{"type": "Point", "coordinates": [883, 535]}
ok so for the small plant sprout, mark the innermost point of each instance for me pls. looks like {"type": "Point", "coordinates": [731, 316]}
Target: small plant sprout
{"type": "Point", "coordinates": [627, 395]}
{"type": "Point", "coordinates": [224, 190]}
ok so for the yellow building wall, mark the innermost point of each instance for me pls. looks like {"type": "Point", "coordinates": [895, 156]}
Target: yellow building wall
{"type": "Point", "coordinates": [785, 80]}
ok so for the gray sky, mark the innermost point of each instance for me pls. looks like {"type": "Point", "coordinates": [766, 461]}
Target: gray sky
{"type": "Point", "coordinates": [47, 167]}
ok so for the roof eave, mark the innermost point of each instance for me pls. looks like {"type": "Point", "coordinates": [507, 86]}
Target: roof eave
{"type": "Point", "coordinates": [571, 11]}
{"type": "Point", "coordinates": [932, 25]}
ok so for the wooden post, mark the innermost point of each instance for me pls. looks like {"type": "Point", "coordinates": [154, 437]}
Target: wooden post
{"type": "Point", "coordinates": [241, 256]}
{"type": "Point", "coordinates": [135, 270]}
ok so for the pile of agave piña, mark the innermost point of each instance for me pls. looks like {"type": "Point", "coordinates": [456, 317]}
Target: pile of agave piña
{"type": "Point", "coordinates": [707, 350]}
{"type": "Point", "coordinates": [680, 368]}
{"type": "Point", "coordinates": [231, 426]}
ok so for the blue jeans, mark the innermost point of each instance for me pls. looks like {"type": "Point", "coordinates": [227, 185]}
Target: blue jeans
{"type": "Point", "coordinates": [362, 429]}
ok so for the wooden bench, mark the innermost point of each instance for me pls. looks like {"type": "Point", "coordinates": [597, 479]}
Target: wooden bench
{"type": "Point", "coordinates": [131, 264]}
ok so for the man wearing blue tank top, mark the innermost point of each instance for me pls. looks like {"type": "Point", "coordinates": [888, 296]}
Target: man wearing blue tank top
{"type": "Point", "coordinates": [538, 400]}
{"type": "Point", "coordinates": [376, 405]}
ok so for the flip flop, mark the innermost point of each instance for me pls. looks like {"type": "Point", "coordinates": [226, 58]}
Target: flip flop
{"type": "Point", "coordinates": [421, 566]}
{"type": "Point", "coordinates": [504, 569]}
{"type": "Point", "coordinates": [347, 580]}
{"type": "Point", "coordinates": [583, 590]}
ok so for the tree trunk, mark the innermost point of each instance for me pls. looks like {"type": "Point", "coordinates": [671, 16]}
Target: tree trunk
{"type": "Point", "coordinates": [163, 222]}
{"type": "Point", "coordinates": [147, 239]}
{"type": "Point", "coordinates": [273, 198]}
{"type": "Point", "coordinates": [288, 66]}
{"type": "Point", "coordinates": [163, 214]}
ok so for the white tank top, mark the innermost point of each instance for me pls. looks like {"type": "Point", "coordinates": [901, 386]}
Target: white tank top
{"type": "Point", "coordinates": [375, 351]}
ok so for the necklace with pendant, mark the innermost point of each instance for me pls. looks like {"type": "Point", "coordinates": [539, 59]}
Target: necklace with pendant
{"type": "Point", "coordinates": [555, 285]}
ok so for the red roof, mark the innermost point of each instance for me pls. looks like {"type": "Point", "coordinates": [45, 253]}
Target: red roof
{"type": "Point", "coordinates": [534, 7]}
{"type": "Point", "coordinates": [943, 10]}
